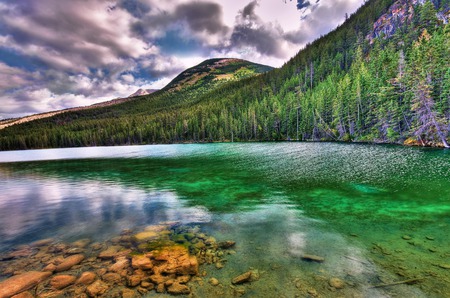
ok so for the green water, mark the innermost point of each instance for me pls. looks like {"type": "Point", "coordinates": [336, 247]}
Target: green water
{"type": "Point", "coordinates": [350, 204]}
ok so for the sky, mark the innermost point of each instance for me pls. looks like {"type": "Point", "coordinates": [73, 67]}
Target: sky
{"type": "Point", "coordinates": [56, 54]}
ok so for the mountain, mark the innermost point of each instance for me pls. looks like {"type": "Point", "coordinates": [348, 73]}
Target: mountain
{"type": "Point", "coordinates": [141, 92]}
{"type": "Point", "coordinates": [359, 83]}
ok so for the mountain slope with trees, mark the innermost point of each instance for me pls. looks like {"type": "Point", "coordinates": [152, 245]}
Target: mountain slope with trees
{"type": "Point", "coordinates": [358, 83]}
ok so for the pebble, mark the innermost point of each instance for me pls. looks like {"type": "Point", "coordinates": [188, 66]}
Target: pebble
{"type": "Point", "coordinates": [336, 283]}
{"type": "Point", "coordinates": [69, 262]}
{"type": "Point", "coordinates": [313, 258]}
{"type": "Point", "coordinates": [429, 237]}
{"type": "Point", "coordinates": [214, 281]}
{"type": "Point", "coordinates": [406, 237]}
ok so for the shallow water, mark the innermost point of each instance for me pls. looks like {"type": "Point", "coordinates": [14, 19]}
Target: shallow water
{"type": "Point", "coordinates": [348, 203]}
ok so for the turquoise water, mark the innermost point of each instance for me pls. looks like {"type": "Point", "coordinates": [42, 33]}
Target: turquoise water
{"type": "Point", "coordinates": [348, 203]}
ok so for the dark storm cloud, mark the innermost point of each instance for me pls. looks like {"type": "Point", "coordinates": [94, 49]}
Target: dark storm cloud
{"type": "Point", "coordinates": [202, 17]}
{"type": "Point", "coordinates": [251, 31]}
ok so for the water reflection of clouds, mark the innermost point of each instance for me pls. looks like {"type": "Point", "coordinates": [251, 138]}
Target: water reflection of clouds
{"type": "Point", "coordinates": [33, 209]}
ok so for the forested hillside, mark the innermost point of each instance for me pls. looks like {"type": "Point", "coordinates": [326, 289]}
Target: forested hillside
{"type": "Point", "coordinates": [382, 76]}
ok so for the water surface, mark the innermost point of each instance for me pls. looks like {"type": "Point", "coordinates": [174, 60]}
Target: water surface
{"type": "Point", "coordinates": [348, 203]}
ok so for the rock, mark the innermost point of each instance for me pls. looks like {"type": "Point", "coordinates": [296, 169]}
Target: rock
{"type": "Point", "coordinates": [183, 279]}
{"type": "Point", "coordinates": [336, 283]}
{"type": "Point", "coordinates": [82, 243]}
{"type": "Point", "coordinates": [430, 238]}
{"type": "Point", "coordinates": [50, 268]}
{"type": "Point", "coordinates": [141, 262]}
{"type": "Point", "coordinates": [219, 265]}
{"type": "Point", "coordinates": [178, 289]}
{"type": "Point", "coordinates": [160, 288]}
{"type": "Point", "coordinates": [444, 266]}
{"type": "Point", "coordinates": [112, 278]}
{"type": "Point", "coordinates": [145, 236]}
{"type": "Point", "coordinates": [313, 258]}
{"type": "Point", "coordinates": [20, 283]}
{"type": "Point", "coordinates": [119, 265]}
{"type": "Point", "coordinates": [226, 244]}
{"type": "Point", "coordinates": [61, 281]}
{"type": "Point", "coordinates": [147, 285]}
{"type": "Point", "coordinates": [243, 278]}
{"type": "Point", "coordinates": [110, 252]}
{"type": "Point", "coordinates": [133, 280]}
{"type": "Point", "coordinates": [74, 251]}
{"type": "Point", "coordinates": [97, 288]}
{"type": "Point", "coordinates": [23, 295]}
{"type": "Point", "coordinates": [128, 293]}
{"type": "Point", "coordinates": [69, 262]}
{"type": "Point", "coordinates": [239, 291]}
{"type": "Point", "coordinates": [86, 278]}
{"type": "Point", "coordinates": [406, 237]}
{"type": "Point", "coordinates": [214, 281]}
{"type": "Point", "coordinates": [176, 260]}
{"type": "Point", "coordinates": [159, 279]}
{"type": "Point", "coordinates": [42, 242]}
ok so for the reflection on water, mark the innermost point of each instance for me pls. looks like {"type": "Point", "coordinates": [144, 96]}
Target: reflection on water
{"type": "Point", "coordinates": [348, 204]}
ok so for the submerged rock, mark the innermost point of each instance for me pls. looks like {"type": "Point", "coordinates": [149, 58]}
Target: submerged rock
{"type": "Point", "coordinates": [97, 288]}
{"type": "Point", "coordinates": [69, 262]}
{"type": "Point", "coordinates": [214, 281]}
{"type": "Point", "coordinates": [141, 262]}
{"type": "Point", "coordinates": [20, 283]}
{"type": "Point", "coordinates": [86, 278]}
{"type": "Point", "coordinates": [23, 295]}
{"type": "Point", "coordinates": [61, 281]}
{"type": "Point", "coordinates": [336, 283]}
{"type": "Point", "coordinates": [406, 237]}
{"type": "Point", "coordinates": [178, 289]}
{"type": "Point", "coordinates": [227, 244]}
{"type": "Point", "coordinates": [313, 258]}
{"type": "Point", "coordinates": [243, 278]}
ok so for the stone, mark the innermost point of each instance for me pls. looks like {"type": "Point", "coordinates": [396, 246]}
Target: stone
{"type": "Point", "coordinates": [86, 278]}
{"type": "Point", "coordinates": [110, 252]}
{"type": "Point", "coordinates": [42, 242]}
{"type": "Point", "coordinates": [214, 281]}
{"type": "Point", "coordinates": [336, 283]}
{"type": "Point", "coordinates": [113, 278]}
{"type": "Point", "coordinates": [160, 288]}
{"type": "Point", "coordinates": [145, 236]}
{"type": "Point", "coordinates": [50, 268]}
{"type": "Point", "coordinates": [147, 285]}
{"type": "Point", "coordinates": [176, 260]}
{"type": "Point", "coordinates": [219, 265]}
{"type": "Point", "coordinates": [119, 265]}
{"type": "Point", "coordinates": [61, 281]}
{"type": "Point", "coordinates": [444, 266]}
{"type": "Point", "coordinates": [178, 289]}
{"type": "Point", "coordinates": [82, 243]}
{"type": "Point", "coordinates": [69, 262]}
{"type": "Point", "coordinates": [74, 251]}
{"type": "Point", "coordinates": [429, 238]}
{"type": "Point", "coordinates": [97, 288]}
{"type": "Point", "coordinates": [141, 262]}
{"type": "Point", "coordinates": [226, 244]}
{"type": "Point", "coordinates": [23, 295]}
{"type": "Point", "coordinates": [128, 293]}
{"type": "Point", "coordinates": [313, 258]}
{"type": "Point", "coordinates": [20, 283]}
{"type": "Point", "coordinates": [134, 280]}
{"type": "Point", "coordinates": [159, 279]}
{"type": "Point", "coordinates": [243, 278]}
{"type": "Point", "coordinates": [406, 237]}
{"type": "Point", "coordinates": [183, 279]}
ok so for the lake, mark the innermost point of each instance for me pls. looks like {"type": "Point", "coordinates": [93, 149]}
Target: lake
{"type": "Point", "coordinates": [308, 219]}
